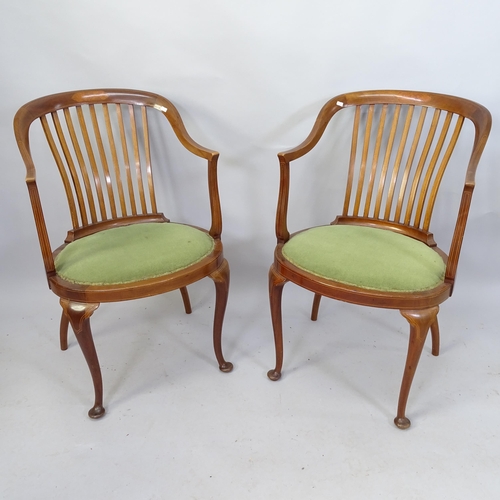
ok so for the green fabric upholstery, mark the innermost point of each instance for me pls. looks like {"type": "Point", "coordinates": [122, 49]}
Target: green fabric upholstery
{"type": "Point", "coordinates": [367, 257]}
{"type": "Point", "coordinates": [132, 253]}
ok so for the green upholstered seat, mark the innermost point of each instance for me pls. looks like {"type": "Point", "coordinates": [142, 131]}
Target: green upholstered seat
{"type": "Point", "coordinates": [366, 257]}
{"type": "Point", "coordinates": [132, 253]}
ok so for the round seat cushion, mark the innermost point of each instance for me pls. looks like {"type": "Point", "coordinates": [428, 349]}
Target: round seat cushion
{"type": "Point", "coordinates": [366, 257]}
{"type": "Point", "coordinates": [132, 253]}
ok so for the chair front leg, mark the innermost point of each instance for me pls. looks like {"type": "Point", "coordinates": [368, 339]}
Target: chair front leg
{"type": "Point", "coordinates": [79, 315]}
{"type": "Point", "coordinates": [221, 281]}
{"type": "Point", "coordinates": [420, 321]}
{"type": "Point", "coordinates": [276, 284]}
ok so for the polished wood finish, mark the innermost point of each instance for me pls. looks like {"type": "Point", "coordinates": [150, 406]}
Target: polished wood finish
{"type": "Point", "coordinates": [401, 146]}
{"type": "Point", "coordinates": [276, 284]}
{"type": "Point", "coordinates": [420, 321]}
{"type": "Point", "coordinates": [79, 315]}
{"type": "Point", "coordinates": [101, 144]}
{"type": "Point", "coordinates": [220, 278]}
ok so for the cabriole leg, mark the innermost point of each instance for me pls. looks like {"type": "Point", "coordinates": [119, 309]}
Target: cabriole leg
{"type": "Point", "coordinates": [276, 283]}
{"type": "Point", "coordinates": [79, 315]}
{"type": "Point", "coordinates": [221, 281]}
{"type": "Point", "coordinates": [420, 322]}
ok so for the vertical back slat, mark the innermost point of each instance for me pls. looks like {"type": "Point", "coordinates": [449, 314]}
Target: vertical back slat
{"type": "Point", "coordinates": [409, 163]}
{"type": "Point", "coordinates": [149, 172]}
{"type": "Point", "coordinates": [387, 156]}
{"type": "Point", "coordinates": [352, 161]}
{"type": "Point", "coordinates": [114, 156]}
{"type": "Point", "coordinates": [375, 159]}
{"type": "Point", "coordinates": [104, 161]}
{"type": "Point", "coordinates": [137, 158]}
{"type": "Point", "coordinates": [397, 162]}
{"type": "Point", "coordinates": [364, 159]}
{"type": "Point", "coordinates": [126, 159]}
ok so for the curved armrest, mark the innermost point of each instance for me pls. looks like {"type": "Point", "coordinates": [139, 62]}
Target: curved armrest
{"type": "Point", "coordinates": [170, 111]}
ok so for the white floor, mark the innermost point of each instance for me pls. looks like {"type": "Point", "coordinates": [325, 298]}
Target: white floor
{"type": "Point", "coordinates": [178, 428]}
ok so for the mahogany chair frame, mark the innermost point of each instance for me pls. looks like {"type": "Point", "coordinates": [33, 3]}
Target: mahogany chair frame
{"type": "Point", "coordinates": [419, 308]}
{"type": "Point", "coordinates": [96, 204]}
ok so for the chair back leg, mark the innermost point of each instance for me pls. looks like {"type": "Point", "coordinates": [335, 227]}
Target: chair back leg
{"type": "Point", "coordinates": [185, 300]}
{"type": "Point", "coordinates": [63, 331]}
{"type": "Point", "coordinates": [435, 338]}
{"type": "Point", "coordinates": [315, 306]}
